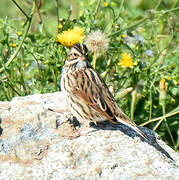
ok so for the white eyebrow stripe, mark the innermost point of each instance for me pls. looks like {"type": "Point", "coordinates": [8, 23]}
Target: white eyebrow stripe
{"type": "Point", "coordinates": [73, 50]}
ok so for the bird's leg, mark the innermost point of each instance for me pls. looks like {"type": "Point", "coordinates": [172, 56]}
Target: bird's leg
{"type": "Point", "coordinates": [83, 131]}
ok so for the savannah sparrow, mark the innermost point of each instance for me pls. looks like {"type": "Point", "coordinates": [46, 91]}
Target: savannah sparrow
{"type": "Point", "coordinates": [87, 94]}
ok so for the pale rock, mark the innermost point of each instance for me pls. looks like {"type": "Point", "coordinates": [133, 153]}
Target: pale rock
{"type": "Point", "coordinates": [35, 143]}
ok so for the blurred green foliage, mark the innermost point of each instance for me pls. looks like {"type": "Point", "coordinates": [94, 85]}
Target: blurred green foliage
{"type": "Point", "coordinates": [148, 31]}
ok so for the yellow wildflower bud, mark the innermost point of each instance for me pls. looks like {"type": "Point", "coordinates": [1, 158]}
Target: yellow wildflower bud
{"type": "Point", "coordinates": [19, 33]}
{"type": "Point", "coordinates": [106, 4]}
{"type": "Point", "coordinates": [27, 64]}
{"type": "Point", "coordinates": [123, 35]}
{"type": "Point", "coordinates": [60, 26]}
{"type": "Point", "coordinates": [14, 45]}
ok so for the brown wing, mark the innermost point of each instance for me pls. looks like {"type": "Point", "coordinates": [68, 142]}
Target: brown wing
{"type": "Point", "coordinates": [92, 89]}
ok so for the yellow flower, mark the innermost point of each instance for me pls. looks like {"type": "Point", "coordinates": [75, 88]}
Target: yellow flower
{"type": "Point", "coordinates": [27, 64]}
{"type": "Point", "coordinates": [19, 33]}
{"type": "Point", "coordinates": [106, 4]}
{"type": "Point", "coordinates": [70, 37]}
{"type": "Point", "coordinates": [14, 45]}
{"type": "Point", "coordinates": [124, 35]}
{"type": "Point", "coordinates": [127, 61]}
{"type": "Point", "coordinates": [60, 26]}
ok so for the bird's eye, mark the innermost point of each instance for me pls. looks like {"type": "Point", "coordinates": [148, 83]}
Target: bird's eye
{"type": "Point", "coordinates": [75, 54]}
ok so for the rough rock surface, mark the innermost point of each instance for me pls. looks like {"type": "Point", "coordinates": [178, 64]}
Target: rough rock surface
{"type": "Point", "coordinates": [35, 144]}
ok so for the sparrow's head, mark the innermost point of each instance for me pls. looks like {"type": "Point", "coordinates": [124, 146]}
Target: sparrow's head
{"type": "Point", "coordinates": [78, 52]}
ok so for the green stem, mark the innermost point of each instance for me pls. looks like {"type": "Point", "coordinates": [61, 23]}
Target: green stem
{"type": "Point", "coordinates": [166, 124]}
{"type": "Point", "coordinates": [58, 17]}
{"type": "Point", "coordinates": [19, 47]}
{"type": "Point", "coordinates": [174, 3]}
{"type": "Point", "coordinates": [103, 75]}
{"type": "Point", "coordinates": [38, 67]}
{"type": "Point", "coordinates": [129, 27]}
{"type": "Point", "coordinates": [171, 10]}
{"type": "Point", "coordinates": [177, 144]}
{"type": "Point", "coordinates": [150, 112]}
{"type": "Point", "coordinates": [12, 87]}
{"type": "Point", "coordinates": [21, 9]}
{"type": "Point", "coordinates": [158, 4]}
{"type": "Point", "coordinates": [120, 9]}
{"type": "Point", "coordinates": [151, 102]}
{"type": "Point", "coordinates": [134, 99]}
{"type": "Point", "coordinates": [158, 124]}
{"type": "Point", "coordinates": [156, 119]}
{"type": "Point", "coordinates": [97, 8]}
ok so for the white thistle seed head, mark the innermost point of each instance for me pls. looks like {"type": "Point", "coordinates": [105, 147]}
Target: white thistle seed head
{"type": "Point", "coordinates": [97, 42]}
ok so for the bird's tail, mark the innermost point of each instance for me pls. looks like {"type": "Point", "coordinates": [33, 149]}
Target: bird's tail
{"type": "Point", "coordinates": [140, 132]}
{"type": "Point", "coordinates": [132, 125]}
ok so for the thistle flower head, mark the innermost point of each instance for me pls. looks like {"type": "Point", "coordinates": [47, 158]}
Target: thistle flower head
{"type": "Point", "coordinates": [72, 36]}
{"type": "Point", "coordinates": [97, 42]}
{"type": "Point", "coordinates": [127, 61]}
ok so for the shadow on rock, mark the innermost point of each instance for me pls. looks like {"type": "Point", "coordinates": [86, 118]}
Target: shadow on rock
{"type": "Point", "coordinates": [131, 133]}
{"type": "Point", "coordinates": [1, 130]}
